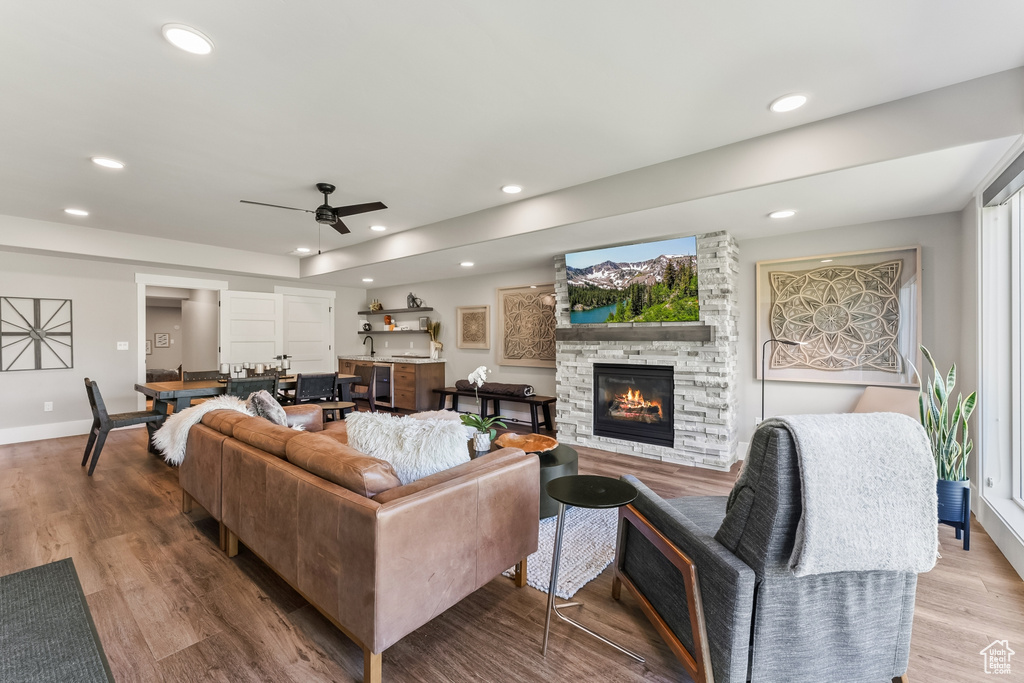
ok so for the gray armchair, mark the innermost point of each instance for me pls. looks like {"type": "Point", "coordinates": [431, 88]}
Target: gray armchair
{"type": "Point", "coordinates": [712, 575]}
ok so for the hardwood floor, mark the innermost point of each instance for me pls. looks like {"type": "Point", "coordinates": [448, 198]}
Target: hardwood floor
{"type": "Point", "coordinates": [170, 606]}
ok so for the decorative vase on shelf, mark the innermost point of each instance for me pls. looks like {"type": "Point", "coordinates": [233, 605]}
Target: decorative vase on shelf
{"type": "Point", "coordinates": [435, 349]}
{"type": "Point", "coordinates": [482, 441]}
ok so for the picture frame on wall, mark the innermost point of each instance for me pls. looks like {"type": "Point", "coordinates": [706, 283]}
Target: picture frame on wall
{"type": "Point", "coordinates": [162, 340]}
{"type": "Point", "coordinates": [473, 327]}
{"type": "Point", "coordinates": [856, 318]}
{"type": "Point", "coordinates": [526, 326]}
{"type": "Point", "coordinates": [149, 347]}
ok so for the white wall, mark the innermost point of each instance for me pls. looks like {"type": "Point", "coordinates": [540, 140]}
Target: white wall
{"type": "Point", "coordinates": [444, 296]}
{"type": "Point", "coordinates": [105, 298]}
{"type": "Point", "coordinates": [199, 320]}
{"type": "Point", "coordinates": [164, 319]}
{"type": "Point", "coordinates": [942, 322]}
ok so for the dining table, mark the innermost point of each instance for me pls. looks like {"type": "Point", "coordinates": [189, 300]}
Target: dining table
{"type": "Point", "coordinates": [180, 394]}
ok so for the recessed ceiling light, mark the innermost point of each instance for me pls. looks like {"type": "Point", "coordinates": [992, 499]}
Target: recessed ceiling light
{"type": "Point", "coordinates": [511, 189]}
{"type": "Point", "coordinates": [302, 250]}
{"type": "Point", "coordinates": [466, 264]}
{"type": "Point", "coordinates": [826, 260]}
{"type": "Point", "coordinates": [107, 162]}
{"type": "Point", "coordinates": [378, 228]}
{"type": "Point", "coordinates": [785, 213]}
{"type": "Point", "coordinates": [788, 103]}
{"type": "Point", "coordinates": [188, 39]}
{"type": "Point", "coordinates": [77, 212]}
{"type": "Point", "coordinates": [367, 279]}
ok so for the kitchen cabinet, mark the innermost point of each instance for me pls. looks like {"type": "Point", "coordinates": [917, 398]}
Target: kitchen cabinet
{"type": "Point", "coordinates": [413, 384]}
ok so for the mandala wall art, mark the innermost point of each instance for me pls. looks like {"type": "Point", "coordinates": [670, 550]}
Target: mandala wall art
{"type": "Point", "coordinates": [855, 316]}
{"type": "Point", "coordinates": [526, 323]}
{"type": "Point", "coordinates": [35, 334]}
{"type": "Point", "coordinates": [473, 327]}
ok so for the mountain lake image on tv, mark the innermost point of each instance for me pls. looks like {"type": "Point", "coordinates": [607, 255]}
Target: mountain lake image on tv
{"type": "Point", "coordinates": [647, 282]}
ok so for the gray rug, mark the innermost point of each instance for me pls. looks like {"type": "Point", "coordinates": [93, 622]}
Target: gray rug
{"type": "Point", "coordinates": [588, 547]}
{"type": "Point", "coordinates": [46, 631]}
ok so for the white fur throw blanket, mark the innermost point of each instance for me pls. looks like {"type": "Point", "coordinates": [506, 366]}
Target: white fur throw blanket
{"type": "Point", "coordinates": [868, 490]}
{"type": "Point", "coordinates": [172, 437]}
{"type": "Point", "coordinates": [415, 448]}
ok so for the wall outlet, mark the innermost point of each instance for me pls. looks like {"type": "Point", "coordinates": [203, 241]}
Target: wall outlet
{"type": "Point", "coordinates": [989, 482]}
{"type": "Point", "coordinates": [122, 346]}
{"type": "Point", "coordinates": [48, 407]}
{"type": "Point", "coordinates": [410, 345]}
{"type": "Point", "coordinates": [385, 343]}
{"type": "Point", "coordinates": [757, 421]}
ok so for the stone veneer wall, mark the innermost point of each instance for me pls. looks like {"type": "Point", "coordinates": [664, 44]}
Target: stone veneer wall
{"type": "Point", "coordinates": [705, 377]}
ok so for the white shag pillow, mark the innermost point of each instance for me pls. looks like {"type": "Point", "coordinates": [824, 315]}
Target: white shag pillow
{"type": "Point", "coordinates": [415, 448]}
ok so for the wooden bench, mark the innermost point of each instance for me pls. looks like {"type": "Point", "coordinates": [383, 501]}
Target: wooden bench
{"type": "Point", "coordinates": [542, 402]}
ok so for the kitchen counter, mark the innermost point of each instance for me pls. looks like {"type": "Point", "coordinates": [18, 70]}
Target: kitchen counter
{"type": "Point", "coordinates": [394, 359]}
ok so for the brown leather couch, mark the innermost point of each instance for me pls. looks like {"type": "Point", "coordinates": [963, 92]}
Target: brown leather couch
{"type": "Point", "coordinates": [379, 559]}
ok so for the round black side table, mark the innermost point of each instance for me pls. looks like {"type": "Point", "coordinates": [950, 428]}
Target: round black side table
{"type": "Point", "coordinates": [585, 491]}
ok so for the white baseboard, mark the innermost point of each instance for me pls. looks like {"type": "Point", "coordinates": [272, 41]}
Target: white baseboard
{"type": "Point", "coordinates": [52, 430]}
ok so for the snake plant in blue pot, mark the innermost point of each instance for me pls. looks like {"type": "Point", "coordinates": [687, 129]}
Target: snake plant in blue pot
{"type": "Point", "coordinates": [945, 422]}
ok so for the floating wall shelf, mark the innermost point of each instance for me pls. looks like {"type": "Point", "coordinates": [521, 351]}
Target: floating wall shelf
{"type": "Point", "coordinates": [392, 311]}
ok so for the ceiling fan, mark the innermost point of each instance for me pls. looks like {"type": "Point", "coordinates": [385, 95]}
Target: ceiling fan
{"type": "Point", "coordinates": [328, 215]}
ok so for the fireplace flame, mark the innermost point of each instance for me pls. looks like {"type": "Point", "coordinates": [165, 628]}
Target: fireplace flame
{"type": "Point", "coordinates": [632, 404]}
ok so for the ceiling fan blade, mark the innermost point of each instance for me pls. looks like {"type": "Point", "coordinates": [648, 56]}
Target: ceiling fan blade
{"type": "Point", "coordinates": [340, 227]}
{"type": "Point", "coordinates": [276, 206]}
{"type": "Point", "coordinates": [353, 209]}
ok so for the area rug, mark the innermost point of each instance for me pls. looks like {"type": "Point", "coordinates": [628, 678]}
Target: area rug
{"type": "Point", "coordinates": [46, 631]}
{"type": "Point", "coordinates": [588, 547]}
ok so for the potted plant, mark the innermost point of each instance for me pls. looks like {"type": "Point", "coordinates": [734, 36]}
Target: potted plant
{"type": "Point", "coordinates": [943, 420]}
{"type": "Point", "coordinates": [480, 429]}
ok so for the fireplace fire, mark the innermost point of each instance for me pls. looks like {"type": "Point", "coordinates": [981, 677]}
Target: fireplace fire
{"type": "Point", "coordinates": [633, 406]}
{"type": "Point", "coordinates": [634, 402]}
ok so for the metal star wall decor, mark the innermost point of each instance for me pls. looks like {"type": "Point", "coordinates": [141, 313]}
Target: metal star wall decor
{"type": "Point", "coordinates": [35, 334]}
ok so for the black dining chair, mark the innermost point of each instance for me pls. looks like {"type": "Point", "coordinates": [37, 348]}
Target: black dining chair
{"type": "Point", "coordinates": [243, 387]}
{"type": "Point", "coordinates": [320, 388]}
{"type": "Point", "coordinates": [103, 422]}
{"type": "Point", "coordinates": [365, 388]}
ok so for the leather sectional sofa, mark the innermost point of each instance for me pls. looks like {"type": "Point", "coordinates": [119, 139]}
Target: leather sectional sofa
{"type": "Point", "coordinates": [379, 559]}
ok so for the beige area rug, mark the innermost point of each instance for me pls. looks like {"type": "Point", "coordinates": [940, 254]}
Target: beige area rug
{"type": "Point", "coordinates": [588, 547]}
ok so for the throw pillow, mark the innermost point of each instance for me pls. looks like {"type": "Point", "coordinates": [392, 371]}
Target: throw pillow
{"type": "Point", "coordinates": [262, 404]}
{"type": "Point", "coordinates": [415, 448]}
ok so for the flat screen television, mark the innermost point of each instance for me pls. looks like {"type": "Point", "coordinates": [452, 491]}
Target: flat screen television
{"type": "Point", "coordinates": [646, 282]}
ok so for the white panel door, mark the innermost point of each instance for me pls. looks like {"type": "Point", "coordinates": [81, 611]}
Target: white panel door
{"type": "Point", "coordinates": [251, 327]}
{"type": "Point", "coordinates": [309, 333]}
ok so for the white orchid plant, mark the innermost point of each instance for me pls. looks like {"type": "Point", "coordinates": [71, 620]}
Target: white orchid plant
{"type": "Point", "coordinates": [478, 422]}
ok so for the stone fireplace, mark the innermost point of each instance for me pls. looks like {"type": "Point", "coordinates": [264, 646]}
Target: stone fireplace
{"type": "Point", "coordinates": [698, 418]}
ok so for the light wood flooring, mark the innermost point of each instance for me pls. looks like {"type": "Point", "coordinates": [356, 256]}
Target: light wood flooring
{"type": "Point", "coordinates": [170, 606]}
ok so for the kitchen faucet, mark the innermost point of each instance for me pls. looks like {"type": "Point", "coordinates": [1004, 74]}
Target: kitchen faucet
{"type": "Point", "coordinates": [372, 352]}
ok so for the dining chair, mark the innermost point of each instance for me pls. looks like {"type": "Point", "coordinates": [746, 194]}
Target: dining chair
{"type": "Point", "coordinates": [243, 387]}
{"type": "Point", "coordinates": [365, 388]}
{"type": "Point", "coordinates": [321, 388]}
{"type": "Point", "coordinates": [103, 422]}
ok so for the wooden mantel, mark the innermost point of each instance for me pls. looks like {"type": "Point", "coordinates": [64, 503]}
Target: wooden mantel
{"type": "Point", "coordinates": [689, 332]}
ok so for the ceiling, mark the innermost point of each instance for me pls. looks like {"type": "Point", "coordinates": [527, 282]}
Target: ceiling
{"type": "Point", "coordinates": [432, 107]}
